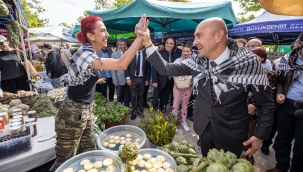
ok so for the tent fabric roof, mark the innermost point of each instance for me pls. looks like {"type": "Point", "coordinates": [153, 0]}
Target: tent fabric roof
{"type": "Point", "coordinates": [174, 16]}
{"type": "Point", "coordinates": [271, 28]}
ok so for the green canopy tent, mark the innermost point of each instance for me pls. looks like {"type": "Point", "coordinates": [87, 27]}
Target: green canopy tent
{"type": "Point", "coordinates": [166, 16]}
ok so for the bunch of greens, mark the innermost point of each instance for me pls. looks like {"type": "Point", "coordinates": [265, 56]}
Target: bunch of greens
{"type": "Point", "coordinates": [43, 106]}
{"type": "Point", "coordinates": [159, 127]}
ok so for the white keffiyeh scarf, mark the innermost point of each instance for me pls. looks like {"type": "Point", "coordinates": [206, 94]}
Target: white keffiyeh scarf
{"type": "Point", "coordinates": [242, 67]}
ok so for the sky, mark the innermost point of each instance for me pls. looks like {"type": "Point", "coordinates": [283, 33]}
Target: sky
{"type": "Point", "coordinates": [67, 11]}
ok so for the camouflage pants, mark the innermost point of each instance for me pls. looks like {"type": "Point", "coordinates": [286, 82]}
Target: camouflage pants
{"type": "Point", "coordinates": [74, 128]}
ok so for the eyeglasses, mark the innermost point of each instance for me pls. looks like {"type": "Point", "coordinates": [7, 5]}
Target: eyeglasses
{"type": "Point", "coordinates": [252, 46]}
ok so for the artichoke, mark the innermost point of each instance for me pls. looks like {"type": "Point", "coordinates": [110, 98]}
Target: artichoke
{"type": "Point", "coordinates": [191, 160]}
{"type": "Point", "coordinates": [217, 167]}
{"type": "Point", "coordinates": [181, 160]}
{"type": "Point", "coordinates": [212, 154]}
{"type": "Point", "coordinates": [191, 151]}
{"type": "Point", "coordinates": [166, 146]}
{"type": "Point", "coordinates": [128, 152]}
{"type": "Point", "coordinates": [182, 168]}
{"type": "Point", "coordinates": [184, 142]}
{"type": "Point", "coordinates": [228, 159]}
{"type": "Point", "coordinates": [183, 149]}
{"type": "Point", "coordinates": [191, 146]}
{"type": "Point", "coordinates": [174, 146]}
{"type": "Point", "coordinates": [242, 166]}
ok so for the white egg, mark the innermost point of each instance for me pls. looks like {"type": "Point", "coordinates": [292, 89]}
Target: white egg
{"type": "Point", "coordinates": [110, 169]}
{"type": "Point", "coordinates": [136, 143]}
{"type": "Point", "coordinates": [160, 158]}
{"type": "Point", "coordinates": [92, 170]}
{"type": "Point", "coordinates": [161, 170]}
{"type": "Point", "coordinates": [152, 160]}
{"type": "Point", "coordinates": [139, 157]}
{"type": "Point", "coordinates": [152, 170]}
{"type": "Point", "coordinates": [111, 141]}
{"type": "Point", "coordinates": [117, 138]}
{"type": "Point", "coordinates": [148, 165]}
{"type": "Point", "coordinates": [81, 171]}
{"type": "Point", "coordinates": [157, 165]}
{"type": "Point", "coordinates": [133, 168]}
{"type": "Point", "coordinates": [137, 140]}
{"type": "Point", "coordinates": [169, 170]}
{"type": "Point", "coordinates": [128, 140]}
{"type": "Point", "coordinates": [107, 162]}
{"type": "Point", "coordinates": [112, 145]}
{"type": "Point", "coordinates": [102, 171]}
{"type": "Point", "coordinates": [68, 170]}
{"type": "Point", "coordinates": [133, 163]}
{"type": "Point", "coordinates": [166, 165]}
{"type": "Point", "coordinates": [122, 138]}
{"type": "Point", "coordinates": [141, 163]}
{"type": "Point", "coordinates": [128, 135]}
{"type": "Point", "coordinates": [85, 161]}
{"type": "Point", "coordinates": [117, 141]}
{"type": "Point", "coordinates": [105, 144]}
{"type": "Point", "coordinates": [111, 137]}
{"type": "Point", "coordinates": [88, 166]}
{"type": "Point", "coordinates": [147, 156]}
{"type": "Point", "coordinates": [144, 171]}
{"type": "Point", "coordinates": [122, 142]}
{"type": "Point", "coordinates": [136, 170]}
{"type": "Point", "coordinates": [98, 164]}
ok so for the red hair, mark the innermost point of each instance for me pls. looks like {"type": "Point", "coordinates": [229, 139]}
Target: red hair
{"type": "Point", "coordinates": [87, 26]}
{"type": "Point", "coordinates": [261, 52]}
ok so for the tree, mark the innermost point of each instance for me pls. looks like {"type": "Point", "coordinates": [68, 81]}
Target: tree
{"type": "Point", "coordinates": [82, 17]}
{"type": "Point", "coordinates": [66, 25]}
{"type": "Point", "coordinates": [243, 19]}
{"type": "Point", "coordinates": [101, 4]}
{"type": "Point", "coordinates": [249, 6]}
{"type": "Point", "coordinates": [32, 10]}
{"type": "Point", "coordinates": [119, 3]}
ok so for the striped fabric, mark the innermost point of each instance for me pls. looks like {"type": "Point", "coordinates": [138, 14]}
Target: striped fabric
{"type": "Point", "coordinates": [242, 67]}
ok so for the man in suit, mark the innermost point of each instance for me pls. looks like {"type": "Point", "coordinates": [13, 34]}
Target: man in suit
{"type": "Point", "coordinates": [163, 85]}
{"type": "Point", "coordinates": [137, 75]}
{"type": "Point", "coordinates": [119, 79]}
{"type": "Point", "coordinates": [106, 53]}
{"type": "Point", "coordinates": [223, 75]}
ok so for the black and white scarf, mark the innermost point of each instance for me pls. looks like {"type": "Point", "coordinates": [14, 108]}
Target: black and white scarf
{"type": "Point", "coordinates": [288, 63]}
{"type": "Point", "coordinates": [242, 67]}
{"type": "Point", "coordinates": [80, 65]}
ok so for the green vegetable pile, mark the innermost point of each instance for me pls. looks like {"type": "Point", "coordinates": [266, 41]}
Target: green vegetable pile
{"type": "Point", "coordinates": [216, 161]}
{"type": "Point", "coordinates": [3, 9]}
{"type": "Point", "coordinates": [128, 152]}
{"type": "Point", "coordinates": [43, 106]}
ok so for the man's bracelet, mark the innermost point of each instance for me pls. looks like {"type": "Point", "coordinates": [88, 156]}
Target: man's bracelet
{"type": "Point", "coordinates": [149, 45]}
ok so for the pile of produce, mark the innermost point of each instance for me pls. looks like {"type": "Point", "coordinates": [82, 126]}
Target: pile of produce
{"type": "Point", "coordinates": [106, 165]}
{"type": "Point", "coordinates": [56, 94]}
{"type": "Point", "coordinates": [43, 106]}
{"type": "Point", "coordinates": [114, 141]}
{"type": "Point", "coordinates": [216, 161]}
{"type": "Point", "coordinates": [14, 104]}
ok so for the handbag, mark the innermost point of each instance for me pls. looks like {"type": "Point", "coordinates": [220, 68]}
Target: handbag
{"type": "Point", "coordinates": [32, 70]}
{"type": "Point", "coordinates": [183, 82]}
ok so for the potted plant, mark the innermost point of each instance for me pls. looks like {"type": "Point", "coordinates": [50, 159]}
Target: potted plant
{"type": "Point", "coordinates": [111, 114]}
{"type": "Point", "coordinates": [159, 127]}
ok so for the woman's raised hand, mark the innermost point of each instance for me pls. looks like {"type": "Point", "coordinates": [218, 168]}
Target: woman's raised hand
{"type": "Point", "coordinates": [142, 31]}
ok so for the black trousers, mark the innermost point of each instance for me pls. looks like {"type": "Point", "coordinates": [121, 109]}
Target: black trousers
{"type": "Point", "coordinates": [190, 109]}
{"type": "Point", "coordinates": [206, 140]}
{"type": "Point", "coordinates": [103, 89]}
{"type": "Point", "coordinates": [137, 94]}
{"type": "Point", "coordinates": [145, 95]}
{"type": "Point", "coordinates": [268, 142]}
{"type": "Point", "coordinates": [289, 128]}
{"type": "Point", "coordinates": [123, 93]}
{"type": "Point", "coordinates": [13, 85]}
{"type": "Point", "coordinates": [162, 94]}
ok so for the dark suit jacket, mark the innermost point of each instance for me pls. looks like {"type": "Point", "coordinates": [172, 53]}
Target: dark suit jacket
{"type": "Point", "coordinates": [132, 67]}
{"type": "Point", "coordinates": [53, 64]}
{"type": "Point", "coordinates": [158, 78]}
{"type": "Point", "coordinates": [229, 120]}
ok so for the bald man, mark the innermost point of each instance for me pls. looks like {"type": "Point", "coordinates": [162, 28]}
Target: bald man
{"type": "Point", "coordinates": [223, 75]}
{"type": "Point", "coordinates": [253, 43]}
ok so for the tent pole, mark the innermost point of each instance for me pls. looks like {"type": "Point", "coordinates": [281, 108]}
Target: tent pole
{"type": "Point", "coordinates": [162, 34]}
{"type": "Point", "coordinates": [29, 48]}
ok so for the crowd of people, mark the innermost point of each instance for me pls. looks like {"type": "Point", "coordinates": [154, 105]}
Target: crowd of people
{"type": "Point", "coordinates": [242, 100]}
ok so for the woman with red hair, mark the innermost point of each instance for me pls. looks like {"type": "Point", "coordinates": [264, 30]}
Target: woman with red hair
{"type": "Point", "coordinates": [262, 54]}
{"type": "Point", "coordinates": [74, 120]}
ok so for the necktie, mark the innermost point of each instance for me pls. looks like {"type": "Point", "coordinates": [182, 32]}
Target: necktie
{"type": "Point", "coordinates": [169, 61]}
{"type": "Point", "coordinates": [213, 93]}
{"type": "Point", "coordinates": [138, 63]}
